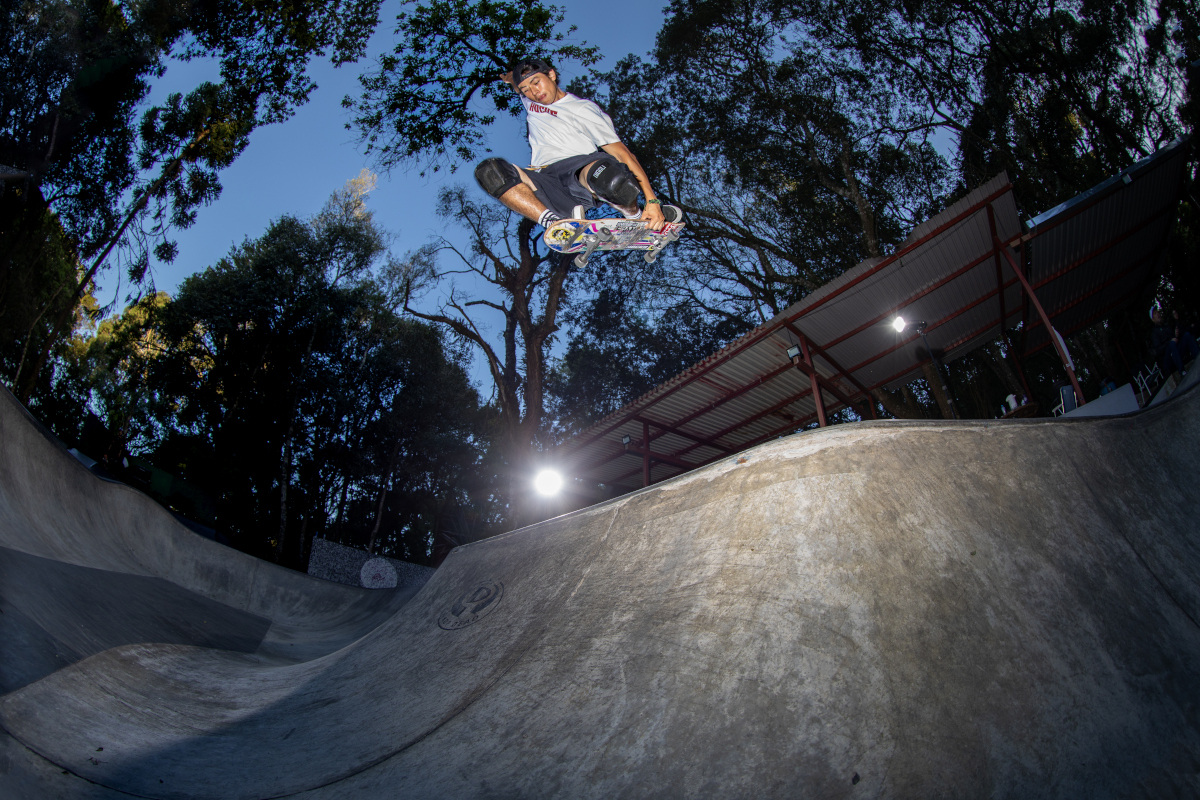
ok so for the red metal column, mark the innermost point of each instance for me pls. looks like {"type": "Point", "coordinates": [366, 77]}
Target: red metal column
{"type": "Point", "coordinates": [812, 376]}
{"type": "Point", "coordinates": [1062, 353]}
{"type": "Point", "coordinates": [645, 454]}
{"type": "Point", "coordinates": [996, 248]}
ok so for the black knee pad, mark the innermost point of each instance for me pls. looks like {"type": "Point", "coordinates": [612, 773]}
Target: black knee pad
{"type": "Point", "coordinates": [497, 176]}
{"type": "Point", "coordinates": [613, 183]}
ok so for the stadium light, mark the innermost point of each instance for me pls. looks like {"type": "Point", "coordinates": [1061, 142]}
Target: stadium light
{"type": "Point", "coordinates": [548, 482]}
{"type": "Point", "coordinates": [898, 323]}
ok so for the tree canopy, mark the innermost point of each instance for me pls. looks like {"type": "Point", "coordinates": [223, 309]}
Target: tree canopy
{"type": "Point", "coordinates": [431, 99]}
{"type": "Point", "coordinates": [107, 183]}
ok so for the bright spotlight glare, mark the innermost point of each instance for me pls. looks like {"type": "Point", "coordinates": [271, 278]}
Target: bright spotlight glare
{"type": "Point", "coordinates": [898, 323]}
{"type": "Point", "coordinates": [547, 482]}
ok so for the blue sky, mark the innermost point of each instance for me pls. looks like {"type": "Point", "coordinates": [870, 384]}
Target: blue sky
{"type": "Point", "coordinates": [293, 167]}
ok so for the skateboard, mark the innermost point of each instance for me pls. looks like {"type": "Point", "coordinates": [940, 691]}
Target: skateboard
{"type": "Point", "coordinates": [586, 236]}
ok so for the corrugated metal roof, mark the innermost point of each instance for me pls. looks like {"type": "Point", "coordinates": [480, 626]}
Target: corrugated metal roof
{"type": "Point", "coordinates": [1092, 254]}
{"type": "Point", "coordinates": [950, 273]}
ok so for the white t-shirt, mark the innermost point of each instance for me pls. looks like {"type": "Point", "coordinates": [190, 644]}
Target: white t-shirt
{"type": "Point", "coordinates": [569, 127]}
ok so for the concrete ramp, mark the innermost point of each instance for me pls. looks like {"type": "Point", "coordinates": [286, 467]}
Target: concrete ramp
{"type": "Point", "coordinates": [891, 609]}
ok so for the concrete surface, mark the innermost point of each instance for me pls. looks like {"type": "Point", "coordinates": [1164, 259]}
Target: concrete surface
{"type": "Point", "coordinates": [1119, 401]}
{"type": "Point", "coordinates": [1001, 609]}
{"type": "Point", "coordinates": [337, 562]}
{"type": "Point", "coordinates": [1170, 387]}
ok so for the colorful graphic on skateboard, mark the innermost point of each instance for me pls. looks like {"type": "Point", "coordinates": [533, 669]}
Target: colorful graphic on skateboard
{"type": "Point", "coordinates": [585, 236]}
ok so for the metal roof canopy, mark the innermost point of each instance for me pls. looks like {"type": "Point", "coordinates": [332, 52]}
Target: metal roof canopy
{"type": "Point", "coordinates": [957, 271]}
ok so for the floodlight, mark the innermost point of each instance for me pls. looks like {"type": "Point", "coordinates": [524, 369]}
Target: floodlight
{"type": "Point", "coordinates": [625, 440]}
{"type": "Point", "coordinates": [898, 323]}
{"type": "Point", "coordinates": [548, 482]}
{"type": "Point", "coordinates": [794, 352]}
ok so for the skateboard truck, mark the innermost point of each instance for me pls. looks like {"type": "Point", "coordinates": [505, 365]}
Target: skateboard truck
{"type": "Point", "coordinates": [652, 253]}
{"type": "Point", "coordinates": [592, 240]}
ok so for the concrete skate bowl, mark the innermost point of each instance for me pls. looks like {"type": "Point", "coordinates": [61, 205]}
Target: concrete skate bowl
{"type": "Point", "coordinates": [892, 609]}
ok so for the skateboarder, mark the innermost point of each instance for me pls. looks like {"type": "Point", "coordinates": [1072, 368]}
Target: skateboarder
{"type": "Point", "coordinates": [577, 158]}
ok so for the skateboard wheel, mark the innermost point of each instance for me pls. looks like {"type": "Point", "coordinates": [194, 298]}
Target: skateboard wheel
{"type": "Point", "coordinates": [650, 256]}
{"type": "Point", "coordinates": [580, 261]}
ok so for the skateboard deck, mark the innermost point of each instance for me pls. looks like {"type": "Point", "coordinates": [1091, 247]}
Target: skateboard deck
{"type": "Point", "coordinates": [585, 236]}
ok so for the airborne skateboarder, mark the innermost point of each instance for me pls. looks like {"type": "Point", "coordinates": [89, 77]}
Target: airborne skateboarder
{"type": "Point", "coordinates": [577, 158]}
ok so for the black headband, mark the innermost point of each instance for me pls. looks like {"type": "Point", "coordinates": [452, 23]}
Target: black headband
{"type": "Point", "coordinates": [530, 66]}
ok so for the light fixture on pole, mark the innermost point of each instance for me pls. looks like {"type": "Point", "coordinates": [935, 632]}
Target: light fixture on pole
{"type": "Point", "coordinates": [548, 482]}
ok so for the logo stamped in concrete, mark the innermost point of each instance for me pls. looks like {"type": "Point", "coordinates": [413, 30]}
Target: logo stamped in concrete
{"type": "Point", "coordinates": [472, 606]}
{"type": "Point", "coordinates": [378, 573]}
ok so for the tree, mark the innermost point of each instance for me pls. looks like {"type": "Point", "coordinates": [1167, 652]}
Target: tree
{"type": "Point", "coordinates": [76, 71]}
{"type": "Point", "coordinates": [292, 390]}
{"type": "Point", "coordinates": [616, 354]}
{"type": "Point", "coordinates": [1063, 94]}
{"type": "Point", "coordinates": [530, 280]}
{"type": "Point", "coordinates": [113, 365]}
{"type": "Point", "coordinates": [416, 106]}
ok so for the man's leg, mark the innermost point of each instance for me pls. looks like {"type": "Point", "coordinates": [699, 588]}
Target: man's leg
{"type": "Point", "coordinates": [1171, 359]}
{"type": "Point", "coordinates": [1188, 347]}
{"type": "Point", "coordinates": [615, 185]}
{"type": "Point", "coordinates": [523, 200]}
{"type": "Point", "coordinates": [511, 186]}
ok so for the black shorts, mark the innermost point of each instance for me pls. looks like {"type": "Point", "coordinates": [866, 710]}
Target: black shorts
{"type": "Point", "coordinates": [558, 186]}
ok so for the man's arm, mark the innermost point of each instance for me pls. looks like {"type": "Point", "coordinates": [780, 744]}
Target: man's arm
{"type": "Point", "coordinates": [652, 213]}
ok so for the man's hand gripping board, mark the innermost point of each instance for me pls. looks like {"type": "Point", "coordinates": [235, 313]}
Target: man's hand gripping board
{"type": "Point", "coordinates": [585, 236]}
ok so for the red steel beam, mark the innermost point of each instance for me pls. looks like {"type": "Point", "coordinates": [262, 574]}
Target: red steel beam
{"type": "Point", "coordinates": [1092, 254]}
{"type": "Point", "coordinates": [765, 413]}
{"type": "Point", "coordinates": [672, 429]}
{"type": "Point", "coordinates": [826, 384]}
{"type": "Point", "coordinates": [713, 406]}
{"type": "Point", "coordinates": [1118, 302]}
{"type": "Point", "coordinates": [931, 326]}
{"type": "Point", "coordinates": [625, 450]}
{"type": "Point", "coordinates": [960, 340]}
{"type": "Point", "coordinates": [1076, 264]}
{"type": "Point", "coordinates": [750, 421]}
{"type": "Point", "coordinates": [661, 458]}
{"type": "Point", "coordinates": [1096, 290]}
{"type": "Point", "coordinates": [699, 412]}
{"type": "Point", "coordinates": [755, 337]}
{"type": "Point", "coordinates": [760, 439]}
{"type": "Point", "coordinates": [829, 384]}
{"type": "Point", "coordinates": [778, 431]}
{"type": "Point", "coordinates": [831, 387]}
{"type": "Point", "coordinates": [841, 371]}
{"type": "Point", "coordinates": [816, 385]}
{"type": "Point", "coordinates": [999, 272]}
{"type": "Point", "coordinates": [1087, 321]}
{"type": "Point", "coordinates": [939, 284]}
{"type": "Point", "coordinates": [994, 252]}
{"type": "Point", "coordinates": [646, 454]}
{"type": "Point", "coordinates": [968, 337]}
{"type": "Point", "coordinates": [1058, 345]}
